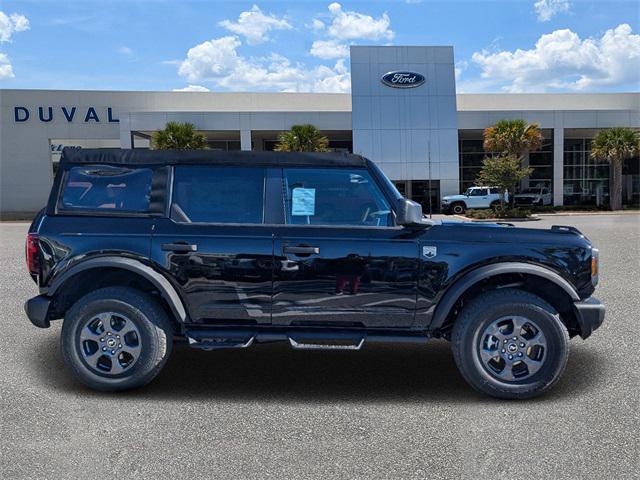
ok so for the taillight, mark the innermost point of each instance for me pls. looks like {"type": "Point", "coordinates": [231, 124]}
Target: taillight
{"type": "Point", "coordinates": [595, 259]}
{"type": "Point", "coordinates": [33, 257]}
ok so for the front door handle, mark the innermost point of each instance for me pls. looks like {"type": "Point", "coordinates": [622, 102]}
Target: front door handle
{"type": "Point", "coordinates": [301, 250]}
{"type": "Point", "coordinates": [179, 247]}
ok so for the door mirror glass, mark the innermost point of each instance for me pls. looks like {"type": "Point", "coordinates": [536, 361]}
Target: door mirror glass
{"type": "Point", "coordinates": [409, 213]}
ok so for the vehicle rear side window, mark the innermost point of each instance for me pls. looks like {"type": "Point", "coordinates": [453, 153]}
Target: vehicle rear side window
{"type": "Point", "coordinates": [218, 194]}
{"type": "Point", "coordinates": [494, 191]}
{"type": "Point", "coordinates": [107, 188]}
{"type": "Point", "coordinates": [335, 196]}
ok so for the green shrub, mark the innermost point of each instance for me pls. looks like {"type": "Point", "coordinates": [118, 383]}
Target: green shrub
{"type": "Point", "coordinates": [498, 213]}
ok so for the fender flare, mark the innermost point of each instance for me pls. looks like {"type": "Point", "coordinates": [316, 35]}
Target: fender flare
{"type": "Point", "coordinates": [455, 291]}
{"type": "Point", "coordinates": [163, 285]}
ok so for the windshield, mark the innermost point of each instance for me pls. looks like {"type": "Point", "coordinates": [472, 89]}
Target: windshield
{"type": "Point", "coordinates": [531, 190]}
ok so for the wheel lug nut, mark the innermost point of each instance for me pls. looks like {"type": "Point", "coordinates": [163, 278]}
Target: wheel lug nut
{"type": "Point", "coordinates": [505, 341]}
{"type": "Point", "coordinates": [102, 339]}
{"type": "Point", "coordinates": [119, 345]}
{"type": "Point", "coordinates": [522, 345]}
{"type": "Point", "coordinates": [104, 349]}
{"type": "Point", "coordinates": [510, 357]}
{"type": "Point", "coordinates": [503, 350]}
{"type": "Point", "coordinates": [117, 336]}
{"type": "Point", "coordinates": [515, 338]}
{"type": "Point", "coordinates": [520, 354]}
{"type": "Point", "coordinates": [113, 351]}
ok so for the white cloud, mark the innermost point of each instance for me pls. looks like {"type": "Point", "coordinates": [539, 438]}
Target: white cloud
{"type": "Point", "coordinates": [328, 49]}
{"type": "Point", "coordinates": [6, 69]}
{"type": "Point", "coordinates": [218, 61]}
{"type": "Point", "coordinates": [561, 60]}
{"type": "Point", "coordinates": [348, 25]}
{"type": "Point", "coordinates": [254, 25]}
{"type": "Point", "coordinates": [546, 9]}
{"type": "Point", "coordinates": [460, 67]}
{"type": "Point", "coordinates": [125, 51]}
{"type": "Point", "coordinates": [10, 24]}
{"type": "Point", "coordinates": [317, 25]}
{"type": "Point", "coordinates": [192, 88]}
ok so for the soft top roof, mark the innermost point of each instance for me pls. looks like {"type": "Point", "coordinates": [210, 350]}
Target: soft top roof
{"type": "Point", "coordinates": [117, 156]}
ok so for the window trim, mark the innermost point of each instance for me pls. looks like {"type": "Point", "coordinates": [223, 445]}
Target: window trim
{"type": "Point", "coordinates": [169, 203]}
{"type": "Point", "coordinates": [377, 181]}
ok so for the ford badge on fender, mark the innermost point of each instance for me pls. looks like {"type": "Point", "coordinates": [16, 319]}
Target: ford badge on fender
{"type": "Point", "coordinates": [402, 79]}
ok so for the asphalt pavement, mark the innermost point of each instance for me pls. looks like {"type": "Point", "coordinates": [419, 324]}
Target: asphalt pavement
{"type": "Point", "coordinates": [388, 411]}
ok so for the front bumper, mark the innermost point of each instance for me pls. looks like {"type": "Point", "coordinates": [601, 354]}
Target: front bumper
{"type": "Point", "coordinates": [37, 309]}
{"type": "Point", "coordinates": [590, 315]}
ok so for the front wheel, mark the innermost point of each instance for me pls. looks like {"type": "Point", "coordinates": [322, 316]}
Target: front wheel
{"type": "Point", "coordinates": [458, 208]}
{"type": "Point", "coordinates": [510, 343]}
{"type": "Point", "coordinates": [116, 338]}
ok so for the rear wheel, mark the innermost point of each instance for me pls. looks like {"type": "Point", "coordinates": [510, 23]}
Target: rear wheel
{"type": "Point", "coordinates": [458, 208]}
{"type": "Point", "coordinates": [116, 338]}
{"type": "Point", "coordinates": [510, 343]}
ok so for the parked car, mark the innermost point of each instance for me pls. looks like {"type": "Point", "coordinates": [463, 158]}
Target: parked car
{"type": "Point", "coordinates": [138, 249]}
{"type": "Point", "coordinates": [538, 196]}
{"type": "Point", "coordinates": [472, 198]}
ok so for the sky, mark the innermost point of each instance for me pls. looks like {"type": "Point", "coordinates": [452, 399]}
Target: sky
{"type": "Point", "coordinates": [499, 46]}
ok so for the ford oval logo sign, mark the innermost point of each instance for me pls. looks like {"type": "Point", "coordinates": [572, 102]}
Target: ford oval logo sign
{"type": "Point", "coordinates": [402, 79]}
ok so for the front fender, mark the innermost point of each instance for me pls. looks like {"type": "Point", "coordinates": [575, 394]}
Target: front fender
{"type": "Point", "coordinates": [455, 291]}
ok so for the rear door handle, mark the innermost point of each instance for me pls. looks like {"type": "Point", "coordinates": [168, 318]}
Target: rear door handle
{"type": "Point", "coordinates": [301, 250]}
{"type": "Point", "coordinates": [179, 247]}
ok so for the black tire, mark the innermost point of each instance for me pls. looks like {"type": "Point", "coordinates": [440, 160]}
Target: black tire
{"type": "Point", "coordinates": [495, 204]}
{"type": "Point", "coordinates": [153, 338]}
{"type": "Point", "coordinates": [483, 312]}
{"type": "Point", "coordinates": [458, 208]}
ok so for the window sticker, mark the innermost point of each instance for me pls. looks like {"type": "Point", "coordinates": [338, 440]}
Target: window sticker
{"type": "Point", "coordinates": [303, 202]}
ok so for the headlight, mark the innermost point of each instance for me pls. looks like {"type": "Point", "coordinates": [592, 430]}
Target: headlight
{"type": "Point", "coordinates": [444, 200]}
{"type": "Point", "coordinates": [595, 258]}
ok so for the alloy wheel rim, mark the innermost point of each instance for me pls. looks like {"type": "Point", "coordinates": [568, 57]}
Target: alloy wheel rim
{"type": "Point", "coordinates": [110, 343]}
{"type": "Point", "coordinates": [512, 348]}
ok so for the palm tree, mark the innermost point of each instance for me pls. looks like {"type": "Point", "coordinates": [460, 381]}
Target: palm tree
{"type": "Point", "coordinates": [302, 138]}
{"type": "Point", "coordinates": [615, 145]}
{"type": "Point", "coordinates": [513, 138]}
{"type": "Point", "coordinates": [178, 136]}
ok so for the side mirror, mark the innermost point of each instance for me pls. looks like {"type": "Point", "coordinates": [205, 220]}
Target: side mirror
{"type": "Point", "coordinates": [409, 213]}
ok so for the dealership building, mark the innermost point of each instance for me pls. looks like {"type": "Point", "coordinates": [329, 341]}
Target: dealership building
{"type": "Point", "coordinates": [412, 123]}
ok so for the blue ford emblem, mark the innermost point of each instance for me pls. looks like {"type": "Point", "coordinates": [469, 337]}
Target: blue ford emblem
{"type": "Point", "coordinates": [402, 79]}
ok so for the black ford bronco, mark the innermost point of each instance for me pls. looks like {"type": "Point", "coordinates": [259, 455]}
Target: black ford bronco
{"type": "Point", "coordinates": [137, 249]}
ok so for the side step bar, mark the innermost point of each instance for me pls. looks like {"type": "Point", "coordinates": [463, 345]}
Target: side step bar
{"type": "Point", "coordinates": [325, 346]}
{"type": "Point", "coordinates": [312, 339]}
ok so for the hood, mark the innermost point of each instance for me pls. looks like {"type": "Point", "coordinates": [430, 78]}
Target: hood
{"type": "Point", "coordinates": [454, 197]}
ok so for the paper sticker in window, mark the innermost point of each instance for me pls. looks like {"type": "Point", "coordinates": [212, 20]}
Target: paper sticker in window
{"type": "Point", "coordinates": [303, 201]}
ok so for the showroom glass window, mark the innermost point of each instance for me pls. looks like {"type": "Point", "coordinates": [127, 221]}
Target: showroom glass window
{"type": "Point", "coordinates": [218, 194]}
{"type": "Point", "coordinates": [586, 181]}
{"type": "Point", "coordinates": [334, 197]}
{"type": "Point", "coordinates": [105, 188]}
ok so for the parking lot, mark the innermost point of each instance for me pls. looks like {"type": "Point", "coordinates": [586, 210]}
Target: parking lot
{"type": "Point", "coordinates": [390, 411]}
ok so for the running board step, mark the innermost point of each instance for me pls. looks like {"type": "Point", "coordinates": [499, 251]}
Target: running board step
{"type": "Point", "coordinates": [299, 345]}
{"type": "Point", "coordinates": [207, 341]}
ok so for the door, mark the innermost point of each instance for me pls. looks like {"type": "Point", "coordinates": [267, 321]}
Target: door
{"type": "Point", "coordinates": [216, 244]}
{"type": "Point", "coordinates": [339, 260]}
{"type": "Point", "coordinates": [478, 198]}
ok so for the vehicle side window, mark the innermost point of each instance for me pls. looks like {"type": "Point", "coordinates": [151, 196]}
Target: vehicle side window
{"type": "Point", "coordinates": [545, 191]}
{"type": "Point", "coordinates": [107, 188]}
{"type": "Point", "coordinates": [477, 192]}
{"type": "Point", "coordinates": [218, 194]}
{"type": "Point", "coordinates": [334, 197]}
{"type": "Point", "coordinates": [494, 191]}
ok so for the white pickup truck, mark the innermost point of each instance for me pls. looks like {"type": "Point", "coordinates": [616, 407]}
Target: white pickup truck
{"type": "Point", "coordinates": [473, 198]}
